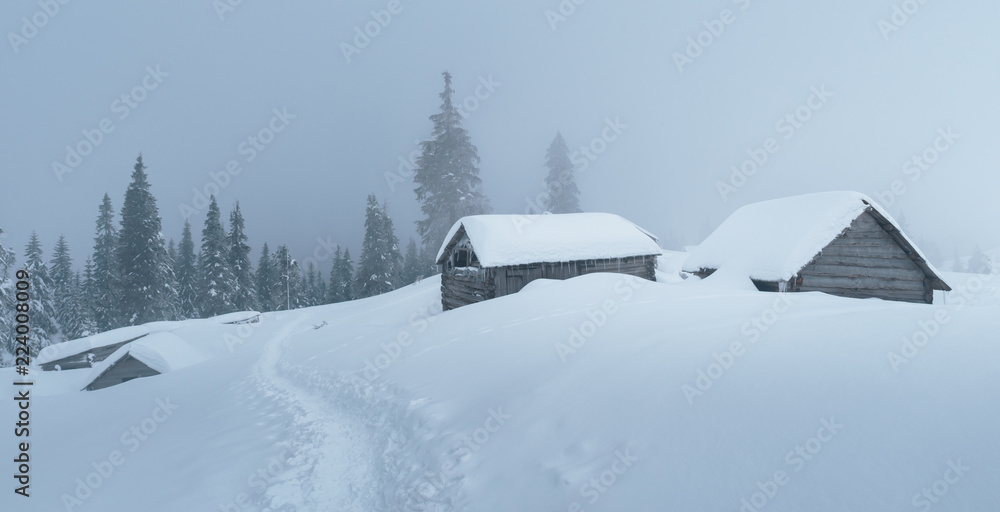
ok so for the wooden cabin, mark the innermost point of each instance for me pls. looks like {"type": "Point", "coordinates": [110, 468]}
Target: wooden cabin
{"type": "Point", "coordinates": [840, 243]}
{"type": "Point", "coordinates": [159, 352]}
{"type": "Point", "coordinates": [86, 358]}
{"type": "Point", "coordinates": [489, 256]}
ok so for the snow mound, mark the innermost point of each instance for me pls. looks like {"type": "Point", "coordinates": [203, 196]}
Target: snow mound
{"type": "Point", "coordinates": [501, 240]}
{"type": "Point", "coordinates": [774, 239]}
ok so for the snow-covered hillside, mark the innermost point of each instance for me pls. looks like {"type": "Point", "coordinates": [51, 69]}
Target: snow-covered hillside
{"type": "Point", "coordinates": [603, 392]}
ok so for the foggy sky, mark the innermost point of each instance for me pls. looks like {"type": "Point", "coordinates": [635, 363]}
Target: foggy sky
{"type": "Point", "coordinates": [220, 81]}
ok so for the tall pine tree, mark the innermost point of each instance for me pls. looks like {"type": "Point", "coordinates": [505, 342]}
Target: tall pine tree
{"type": "Point", "coordinates": [265, 280]}
{"type": "Point", "coordinates": [287, 291]}
{"type": "Point", "coordinates": [244, 292]}
{"type": "Point", "coordinates": [186, 267]}
{"type": "Point", "coordinates": [146, 274]}
{"type": "Point", "coordinates": [43, 323]}
{"type": "Point", "coordinates": [447, 174]}
{"type": "Point", "coordinates": [215, 295]}
{"type": "Point", "coordinates": [105, 283]}
{"type": "Point", "coordinates": [7, 299]}
{"type": "Point", "coordinates": [564, 196]}
{"type": "Point", "coordinates": [411, 264]}
{"type": "Point", "coordinates": [380, 264]}
{"type": "Point", "coordinates": [64, 293]}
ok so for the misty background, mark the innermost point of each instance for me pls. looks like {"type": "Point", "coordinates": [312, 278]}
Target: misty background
{"type": "Point", "coordinates": [223, 78]}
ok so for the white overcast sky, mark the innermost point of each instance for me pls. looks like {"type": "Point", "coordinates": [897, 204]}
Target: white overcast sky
{"type": "Point", "coordinates": [607, 60]}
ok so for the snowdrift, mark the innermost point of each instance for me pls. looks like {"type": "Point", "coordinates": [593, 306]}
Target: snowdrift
{"type": "Point", "coordinates": [602, 392]}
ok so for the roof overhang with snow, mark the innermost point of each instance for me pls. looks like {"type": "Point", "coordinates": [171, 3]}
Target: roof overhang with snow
{"type": "Point", "coordinates": [774, 240]}
{"type": "Point", "coordinates": [504, 240]}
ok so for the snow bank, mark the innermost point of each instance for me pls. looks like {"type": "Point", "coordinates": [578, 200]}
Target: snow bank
{"type": "Point", "coordinates": [774, 239]}
{"type": "Point", "coordinates": [501, 240]}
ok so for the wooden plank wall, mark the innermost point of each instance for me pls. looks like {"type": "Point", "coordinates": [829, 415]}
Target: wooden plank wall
{"type": "Point", "coordinates": [125, 369]}
{"type": "Point", "coordinates": [866, 262]}
{"type": "Point", "coordinates": [463, 286]}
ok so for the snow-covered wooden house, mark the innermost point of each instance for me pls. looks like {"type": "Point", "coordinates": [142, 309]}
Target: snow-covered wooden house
{"type": "Point", "coordinates": [841, 243]}
{"type": "Point", "coordinates": [157, 353]}
{"type": "Point", "coordinates": [489, 256]}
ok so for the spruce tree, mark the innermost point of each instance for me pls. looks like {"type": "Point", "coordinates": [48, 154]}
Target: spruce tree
{"type": "Point", "coordinates": [447, 174]}
{"type": "Point", "coordinates": [186, 267]}
{"type": "Point", "coordinates": [310, 286]}
{"type": "Point", "coordinates": [64, 293]}
{"type": "Point", "coordinates": [345, 277]}
{"type": "Point", "coordinates": [560, 184]}
{"type": "Point", "coordinates": [979, 263]}
{"type": "Point", "coordinates": [266, 280]}
{"type": "Point", "coordinates": [287, 290]}
{"type": "Point", "coordinates": [244, 292]}
{"type": "Point", "coordinates": [411, 264]}
{"type": "Point", "coordinates": [380, 263]}
{"type": "Point", "coordinates": [335, 286]}
{"type": "Point", "coordinates": [172, 253]}
{"type": "Point", "coordinates": [43, 323]}
{"type": "Point", "coordinates": [82, 317]}
{"type": "Point", "coordinates": [7, 301]}
{"type": "Point", "coordinates": [105, 283]}
{"type": "Point", "coordinates": [216, 280]}
{"type": "Point", "coordinates": [146, 276]}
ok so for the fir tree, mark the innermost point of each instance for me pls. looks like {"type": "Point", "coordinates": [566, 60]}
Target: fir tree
{"type": "Point", "coordinates": [564, 196]}
{"type": "Point", "coordinates": [83, 318]}
{"type": "Point", "coordinates": [310, 286]}
{"type": "Point", "coordinates": [172, 253]}
{"type": "Point", "coordinates": [447, 174]}
{"type": "Point", "coordinates": [146, 276]}
{"type": "Point", "coordinates": [244, 292]}
{"type": "Point", "coordinates": [215, 295]}
{"type": "Point", "coordinates": [105, 283]}
{"type": "Point", "coordinates": [287, 290]}
{"type": "Point", "coordinates": [43, 323]}
{"type": "Point", "coordinates": [979, 263]}
{"type": "Point", "coordinates": [345, 276]}
{"type": "Point", "coordinates": [380, 263]}
{"type": "Point", "coordinates": [412, 269]}
{"type": "Point", "coordinates": [64, 293]}
{"type": "Point", "coordinates": [266, 280]}
{"type": "Point", "coordinates": [186, 266]}
{"type": "Point", "coordinates": [334, 286]}
{"type": "Point", "coordinates": [7, 300]}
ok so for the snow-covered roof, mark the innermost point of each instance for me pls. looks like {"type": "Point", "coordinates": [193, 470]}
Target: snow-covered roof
{"type": "Point", "coordinates": [500, 240]}
{"type": "Point", "coordinates": [237, 317]}
{"type": "Point", "coordinates": [773, 240]}
{"type": "Point", "coordinates": [161, 351]}
{"type": "Point", "coordinates": [81, 345]}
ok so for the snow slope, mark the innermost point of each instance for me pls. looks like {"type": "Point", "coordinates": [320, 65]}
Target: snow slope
{"type": "Point", "coordinates": [603, 392]}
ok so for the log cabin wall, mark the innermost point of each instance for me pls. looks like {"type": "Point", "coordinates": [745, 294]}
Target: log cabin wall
{"type": "Point", "coordinates": [126, 369]}
{"type": "Point", "coordinates": [866, 262]}
{"type": "Point", "coordinates": [467, 285]}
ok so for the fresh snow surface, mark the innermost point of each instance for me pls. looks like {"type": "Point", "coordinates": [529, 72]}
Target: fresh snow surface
{"type": "Point", "coordinates": [501, 240]}
{"type": "Point", "coordinates": [773, 240]}
{"type": "Point", "coordinates": [598, 393]}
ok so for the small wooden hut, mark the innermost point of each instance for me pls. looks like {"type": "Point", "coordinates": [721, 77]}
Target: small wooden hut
{"type": "Point", "coordinates": [489, 256]}
{"type": "Point", "coordinates": [840, 243]}
{"type": "Point", "coordinates": [159, 352]}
